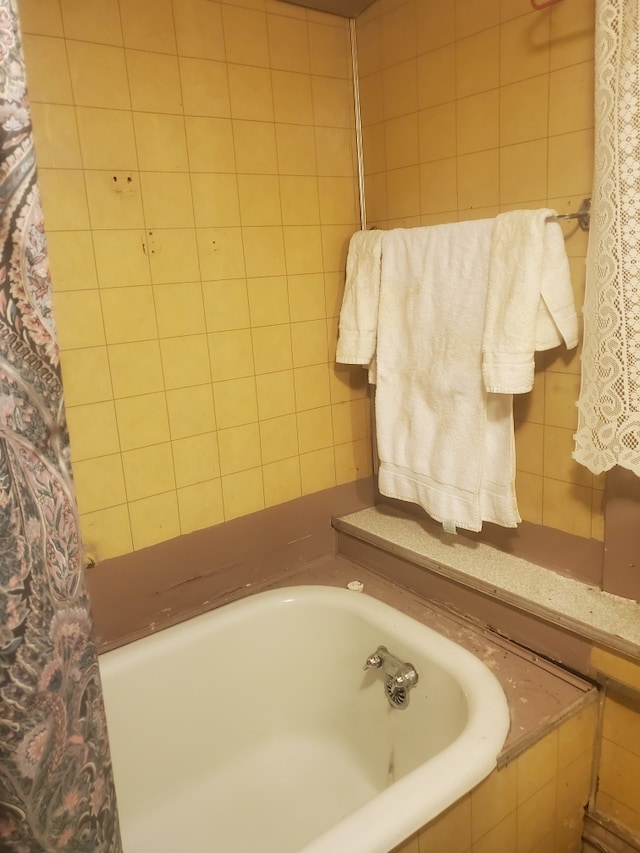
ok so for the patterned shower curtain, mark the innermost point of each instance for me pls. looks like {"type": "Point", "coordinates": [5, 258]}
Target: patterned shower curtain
{"type": "Point", "coordinates": [56, 785]}
{"type": "Point", "coordinates": [609, 405]}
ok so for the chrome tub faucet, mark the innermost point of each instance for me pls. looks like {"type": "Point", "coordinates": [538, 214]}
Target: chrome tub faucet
{"type": "Point", "coordinates": [399, 677]}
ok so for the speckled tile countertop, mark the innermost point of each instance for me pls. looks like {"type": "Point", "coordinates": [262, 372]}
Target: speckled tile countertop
{"type": "Point", "coordinates": [597, 615]}
{"type": "Point", "coordinates": [540, 694]}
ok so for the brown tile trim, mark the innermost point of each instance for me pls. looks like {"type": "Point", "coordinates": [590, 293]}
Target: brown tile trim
{"type": "Point", "coordinates": [166, 583]}
{"type": "Point", "coordinates": [564, 553]}
{"type": "Point", "coordinates": [623, 693]}
{"type": "Point", "coordinates": [621, 569]}
{"type": "Point", "coordinates": [603, 835]}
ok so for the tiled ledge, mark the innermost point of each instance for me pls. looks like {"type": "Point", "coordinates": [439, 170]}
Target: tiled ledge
{"type": "Point", "coordinates": [583, 610]}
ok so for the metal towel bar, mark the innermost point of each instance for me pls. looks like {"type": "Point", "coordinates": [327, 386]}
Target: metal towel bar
{"type": "Point", "coordinates": [583, 215]}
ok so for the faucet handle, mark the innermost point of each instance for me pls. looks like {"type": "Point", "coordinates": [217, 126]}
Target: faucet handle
{"type": "Point", "coordinates": [375, 660]}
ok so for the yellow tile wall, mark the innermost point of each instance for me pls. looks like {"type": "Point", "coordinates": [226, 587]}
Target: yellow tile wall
{"type": "Point", "coordinates": [618, 794]}
{"type": "Point", "coordinates": [196, 162]}
{"type": "Point", "coordinates": [535, 804]}
{"type": "Point", "coordinates": [618, 790]}
{"type": "Point", "coordinates": [470, 108]}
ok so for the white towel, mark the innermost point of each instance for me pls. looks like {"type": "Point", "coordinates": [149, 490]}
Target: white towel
{"type": "Point", "coordinates": [443, 442]}
{"type": "Point", "coordinates": [359, 313]}
{"type": "Point", "coordinates": [530, 305]}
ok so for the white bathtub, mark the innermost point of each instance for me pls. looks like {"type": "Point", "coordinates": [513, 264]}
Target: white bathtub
{"type": "Point", "coordinates": [254, 729]}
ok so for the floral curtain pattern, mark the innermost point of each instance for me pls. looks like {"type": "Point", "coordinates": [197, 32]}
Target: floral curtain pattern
{"type": "Point", "coordinates": [56, 785]}
{"type": "Point", "coordinates": [609, 405]}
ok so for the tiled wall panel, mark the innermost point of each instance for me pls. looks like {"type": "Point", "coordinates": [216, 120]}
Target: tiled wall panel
{"type": "Point", "coordinates": [618, 790]}
{"type": "Point", "coordinates": [472, 108]}
{"type": "Point", "coordinates": [535, 804]}
{"type": "Point", "coordinates": [196, 164]}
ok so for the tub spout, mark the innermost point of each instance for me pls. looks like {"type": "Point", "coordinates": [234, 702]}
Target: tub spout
{"type": "Point", "coordinates": [406, 678]}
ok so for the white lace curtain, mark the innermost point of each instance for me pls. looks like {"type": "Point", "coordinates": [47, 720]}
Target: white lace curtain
{"type": "Point", "coordinates": [609, 405]}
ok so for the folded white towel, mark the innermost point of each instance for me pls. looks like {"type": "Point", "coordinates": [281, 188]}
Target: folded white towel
{"type": "Point", "coordinates": [443, 442]}
{"type": "Point", "coordinates": [359, 313]}
{"type": "Point", "coordinates": [530, 304]}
